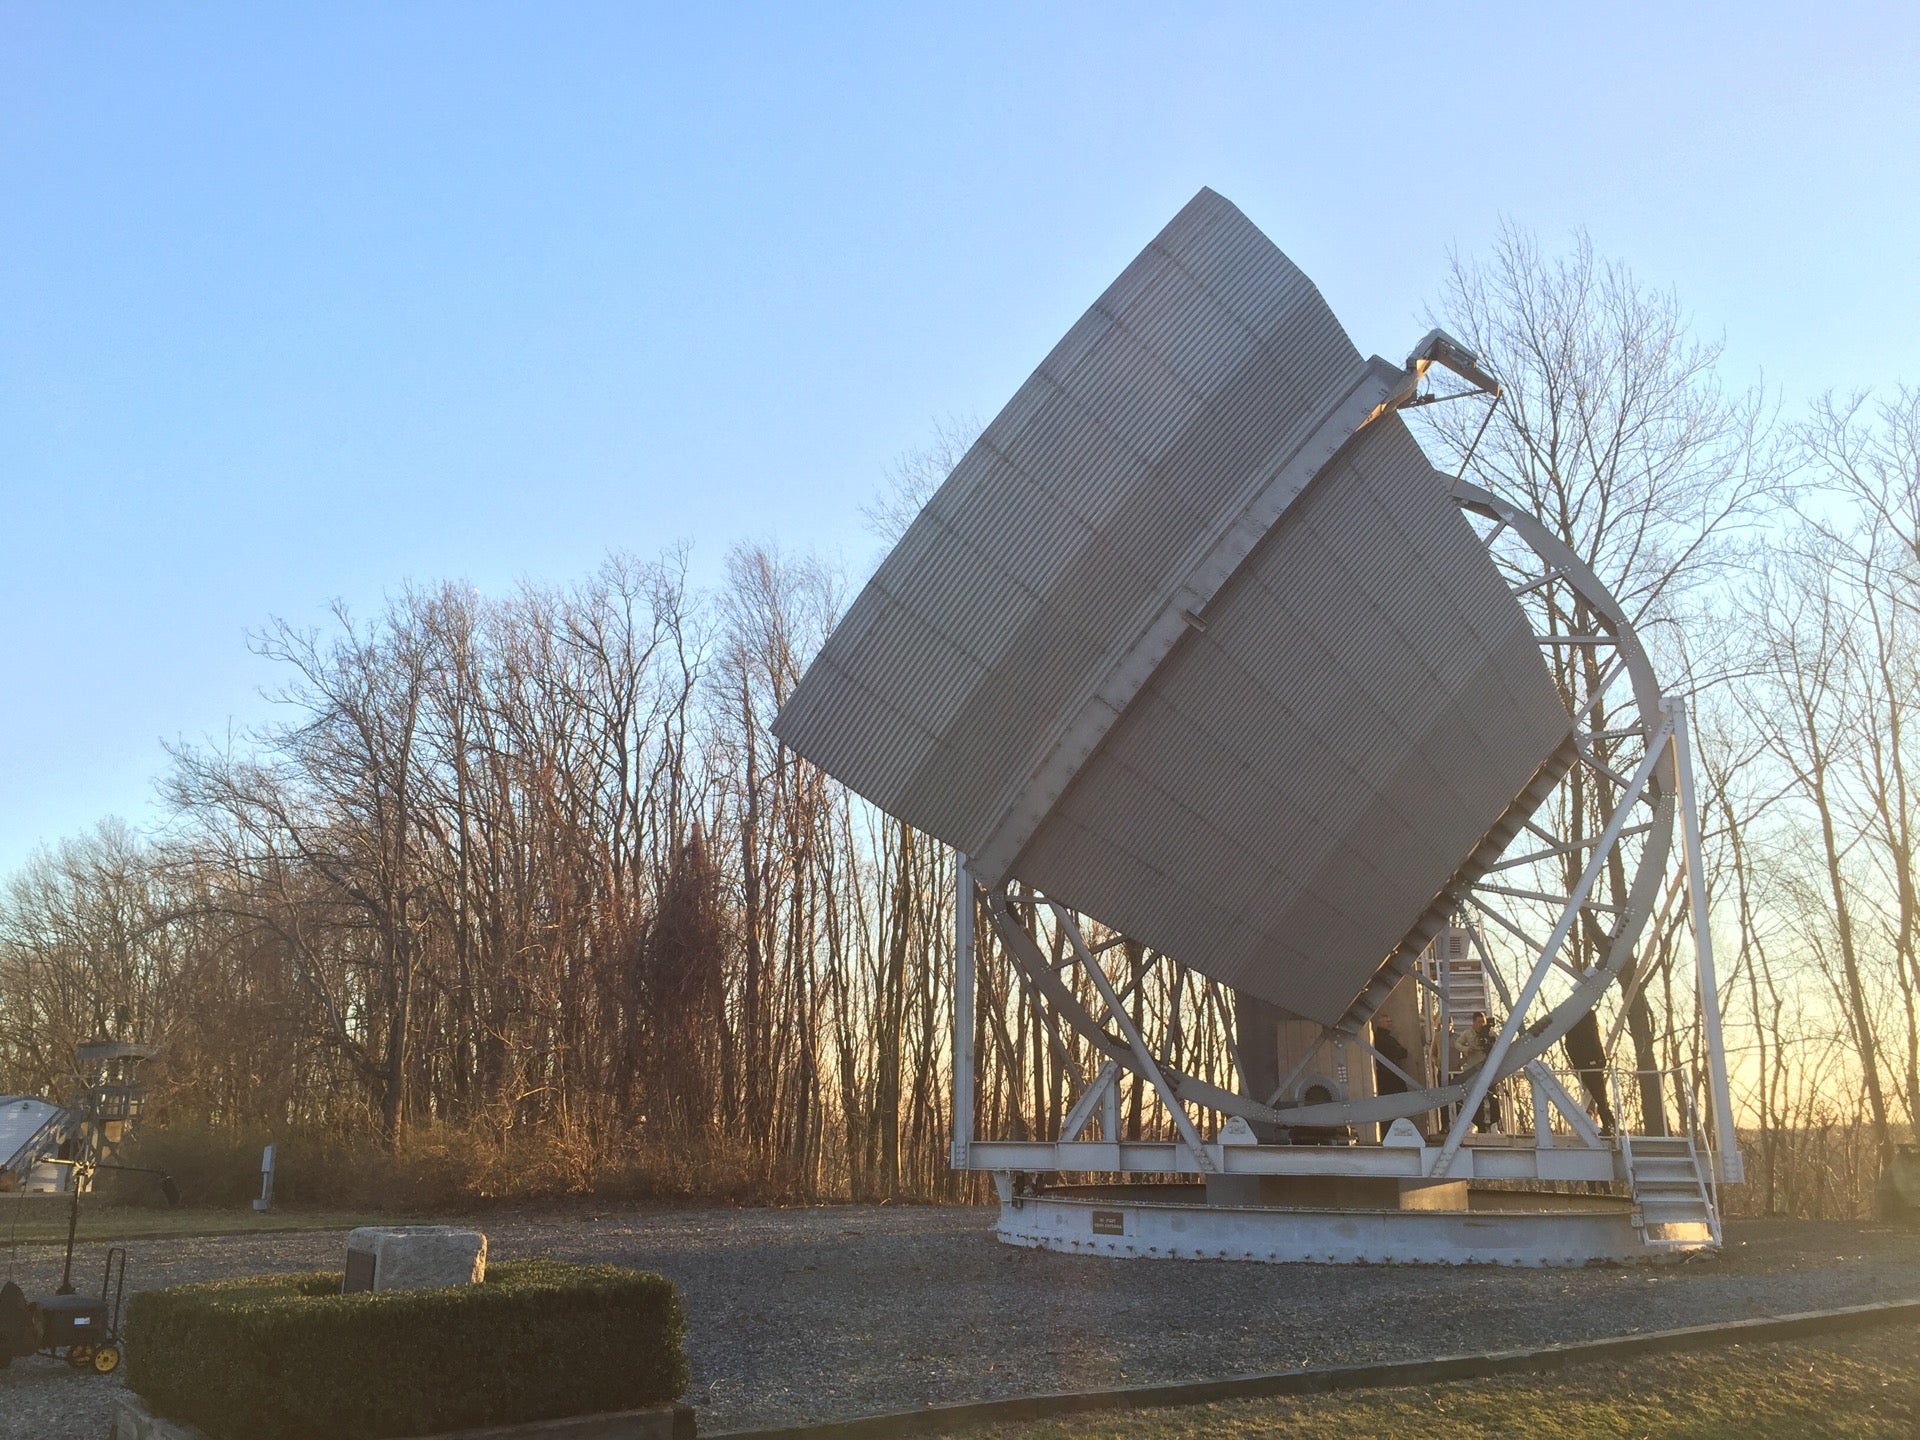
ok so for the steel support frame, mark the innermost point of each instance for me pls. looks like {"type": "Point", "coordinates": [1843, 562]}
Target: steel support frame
{"type": "Point", "coordinates": [1144, 1062]}
{"type": "Point", "coordinates": [1729, 1164]}
{"type": "Point", "coordinates": [1491, 1070]}
{"type": "Point", "coordinates": [1192, 1154]}
{"type": "Point", "coordinates": [1587, 1159]}
{"type": "Point", "coordinates": [966, 1078]}
{"type": "Point", "coordinates": [1173, 1157]}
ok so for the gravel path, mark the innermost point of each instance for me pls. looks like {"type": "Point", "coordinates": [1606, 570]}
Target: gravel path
{"type": "Point", "coordinates": [812, 1314]}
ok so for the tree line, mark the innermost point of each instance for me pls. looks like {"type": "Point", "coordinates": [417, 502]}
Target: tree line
{"type": "Point", "coordinates": [531, 870]}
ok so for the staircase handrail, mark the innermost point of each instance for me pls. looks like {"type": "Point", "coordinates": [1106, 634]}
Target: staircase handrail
{"type": "Point", "coordinates": [1706, 1162]}
{"type": "Point", "coordinates": [28, 1153]}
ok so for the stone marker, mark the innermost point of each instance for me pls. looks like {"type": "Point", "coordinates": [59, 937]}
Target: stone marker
{"type": "Point", "coordinates": [414, 1257]}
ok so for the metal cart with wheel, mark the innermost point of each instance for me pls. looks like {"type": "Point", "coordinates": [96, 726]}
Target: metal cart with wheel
{"type": "Point", "coordinates": [85, 1329]}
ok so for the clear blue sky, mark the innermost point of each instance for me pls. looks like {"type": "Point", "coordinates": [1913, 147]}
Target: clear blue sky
{"type": "Point", "coordinates": [304, 302]}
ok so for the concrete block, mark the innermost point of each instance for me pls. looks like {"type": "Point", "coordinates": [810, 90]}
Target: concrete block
{"type": "Point", "coordinates": [414, 1257]}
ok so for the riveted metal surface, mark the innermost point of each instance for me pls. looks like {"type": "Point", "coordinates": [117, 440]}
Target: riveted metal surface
{"type": "Point", "coordinates": [1176, 645]}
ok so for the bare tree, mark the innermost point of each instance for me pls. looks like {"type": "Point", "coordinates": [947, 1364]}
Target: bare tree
{"type": "Point", "coordinates": [1836, 622]}
{"type": "Point", "coordinates": [912, 479]}
{"type": "Point", "coordinates": [1614, 430]}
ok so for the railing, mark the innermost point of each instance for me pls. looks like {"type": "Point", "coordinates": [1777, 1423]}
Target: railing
{"type": "Point", "coordinates": [1679, 1111]}
{"type": "Point", "coordinates": [117, 1102]}
{"type": "Point", "coordinates": [1678, 1090]}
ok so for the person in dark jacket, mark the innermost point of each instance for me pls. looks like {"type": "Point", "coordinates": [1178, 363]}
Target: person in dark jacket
{"type": "Point", "coordinates": [1386, 1080]}
{"type": "Point", "coordinates": [1589, 1059]}
{"type": "Point", "coordinates": [1476, 1048]}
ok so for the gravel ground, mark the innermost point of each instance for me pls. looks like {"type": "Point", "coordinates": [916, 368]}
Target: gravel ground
{"type": "Point", "coordinates": [813, 1314]}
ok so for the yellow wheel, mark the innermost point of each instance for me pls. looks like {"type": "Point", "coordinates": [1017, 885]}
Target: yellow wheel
{"type": "Point", "coordinates": [80, 1356]}
{"type": "Point", "coordinates": [106, 1359]}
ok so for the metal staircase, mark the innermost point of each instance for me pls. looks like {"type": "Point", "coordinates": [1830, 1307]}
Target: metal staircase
{"type": "Point", "coordinates": [1456, 978]}
{"type": "Point", "coordinates": [1669, 1188]}
{"type": "Point", "coordinates": [30, 1130]}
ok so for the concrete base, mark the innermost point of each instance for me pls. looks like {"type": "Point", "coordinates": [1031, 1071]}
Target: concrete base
{"type": "Point", "coordinates": [1336, 1192]}
{"type": "Point", "coordinates": [1493, 1228]}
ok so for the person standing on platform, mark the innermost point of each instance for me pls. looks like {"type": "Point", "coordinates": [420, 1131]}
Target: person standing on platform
{"type": "Point", "coordinates": [1475, 1049]}
{"type": "Point", "coordinates": [1589, 1059]}
{"type": "Point", "coordinates": [1387, 1079]}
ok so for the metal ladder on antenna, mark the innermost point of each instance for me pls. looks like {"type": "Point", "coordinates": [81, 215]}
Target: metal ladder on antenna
{"type": "Point", "coordinates": [1669, 1187]}
{"type": "Point", "coordinates": [1463, 981]}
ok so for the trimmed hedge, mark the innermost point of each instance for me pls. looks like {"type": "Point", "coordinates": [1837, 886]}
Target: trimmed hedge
{"type": "Point", "coordinates": [290, 1358]}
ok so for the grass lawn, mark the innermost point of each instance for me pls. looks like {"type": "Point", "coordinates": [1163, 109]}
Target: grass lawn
{"type": "Point", "coordinates": [42, 1220]}
{"type": "Point", "coordinates": [1865, 1384]}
